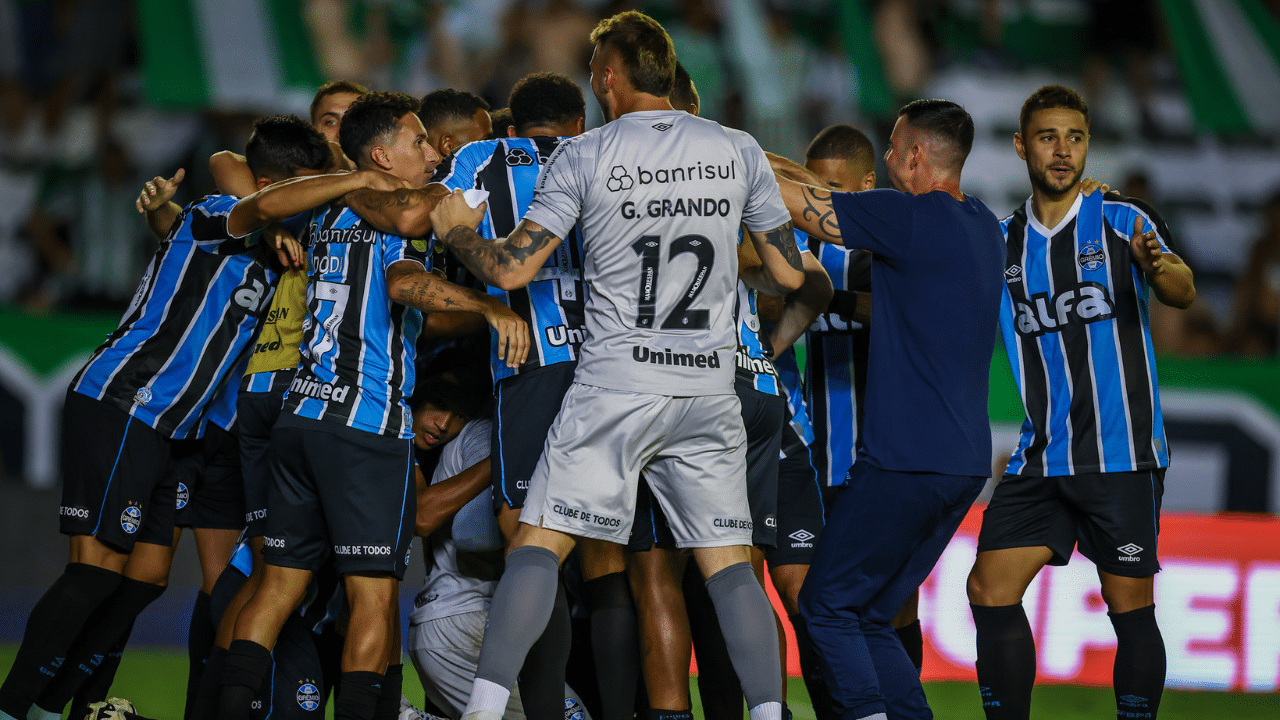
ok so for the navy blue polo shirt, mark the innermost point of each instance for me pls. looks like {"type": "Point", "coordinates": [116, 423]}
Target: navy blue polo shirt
{"type": "Point", "coordinates": [936, 282]}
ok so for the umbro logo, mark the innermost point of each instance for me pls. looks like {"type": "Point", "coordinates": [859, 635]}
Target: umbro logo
{"type": "Point", "coordinates": [1012, 273]}
{"type": "Point", "coordinates": [661, 127]}
{"type": "Point", "coordinates": [619, 179]}
{"type": "Point", "coordinates": [1132, 700]}
{"type": "Point", "coordinates": [1129, 550]}
{"type": "Point", "coordinates": [801, 535]}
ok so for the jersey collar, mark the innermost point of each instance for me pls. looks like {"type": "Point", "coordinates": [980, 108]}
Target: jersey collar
{"type": "Point", "coordinates": [1047, 232]}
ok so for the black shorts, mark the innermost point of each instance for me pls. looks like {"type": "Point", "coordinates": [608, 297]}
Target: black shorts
{"type": "Point", "coordinates": [339, 490]}
{"type": "Point", "coordinates": [256, 413]}
{"type": "Point", "coordinates": [763, 415]}
{"type": "Point", "coordinates": [210, 484]}
{"type": "Point", "coordinates": [800, 511]}
{"type": "Point", "coordinates": [115, 480]}
{"type": "Point", "coordinates": [1115, 518]}
{"type": "Point", "coordinates": [527, 405]}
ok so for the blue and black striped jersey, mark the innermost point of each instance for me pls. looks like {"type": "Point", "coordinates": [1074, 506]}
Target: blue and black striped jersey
{"type": "Point", "coordinates": [756, 370]}
{"type": "Point", "coordinates": [188, 326]}
{"type": "Point", "coordinates": [357, 345]}
{"type": "Point", "coordinates": [836, 367]}
{"type": "Point", "coordinates": [552, 303]}
{"type": "Point", "coordinates": [1076, 327]}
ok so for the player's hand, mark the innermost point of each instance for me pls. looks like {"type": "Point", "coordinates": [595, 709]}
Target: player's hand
{"type": "Point", "coordinates": [453, 211]}
{"type": "Point", "coordinates": [158, 191]}
{"type": "Point", "coordinates": [512, 331]}
{"type": "Point", "coordinates": [288, 250]}
{"type": "Point", "coordinates": [1146, 249]}
{"type": "Point", "coordinates": [1088, 185]}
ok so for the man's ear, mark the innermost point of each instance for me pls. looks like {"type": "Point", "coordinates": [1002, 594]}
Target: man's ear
{"type": "Point", "coordinates": [447, 146]}
{"type": "Point", "coordinates": [263, 181]}
{"type": "Point", "coordinates": [380, 158]}
{"type": "Point", "coordinates": [580, 126]}
{"type": "Point", "coordinates": [1018, 146]}
{"type": "Point", "coordinates": [869, 181]}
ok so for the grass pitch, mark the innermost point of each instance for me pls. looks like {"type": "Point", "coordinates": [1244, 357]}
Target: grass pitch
{"type": "Point", "coordinates": [155, 680]}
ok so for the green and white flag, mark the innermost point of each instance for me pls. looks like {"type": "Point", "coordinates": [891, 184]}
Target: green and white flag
{"type": "Point", "coordinates": [1229, 54]}
{"type": "Point", "coordinates": [252, 55]}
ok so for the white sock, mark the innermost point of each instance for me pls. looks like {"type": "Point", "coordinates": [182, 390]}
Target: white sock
{"type": "Point", "coordinates": [487, 697]}
{"type": "Point", "coordinates": [767, 711]}
{"type": "Point", "coordinates": [877, 716]}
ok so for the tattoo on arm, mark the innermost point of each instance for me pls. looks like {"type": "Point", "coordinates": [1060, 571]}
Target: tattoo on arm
{"type": "Point", "coordinates": [815, 201]}
{"type": "Point", "coordinates": [783, 239]}
{"type": "Point", "coordinates": [501, 255]}
{"type": "Point", "coordinates": [378, 200]}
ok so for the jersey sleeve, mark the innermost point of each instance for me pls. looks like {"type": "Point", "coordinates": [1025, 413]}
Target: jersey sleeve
{"type": "Point", "coordinates": [561, 189]}
{"type": "Point", "coordinates": [1121, 211]}
{"type": "Point", "coordinates": [802, 241]}
{"type": "Point", "coordinates": [208, 226]}
{"type": "Point", "coordinates": [875, 220]}
{"type": "Point", "coordinates": [765, 209]}
{"type": "Point", "coordinates": [396, 248]}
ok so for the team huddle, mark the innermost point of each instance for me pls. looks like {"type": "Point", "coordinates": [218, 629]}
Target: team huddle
{"type": "Point", "coordinates": [564, 358]}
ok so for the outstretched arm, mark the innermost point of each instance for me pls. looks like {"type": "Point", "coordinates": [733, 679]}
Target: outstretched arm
{"type": "Point", "coordinates": [408, 283]}
{"type": "Point", "coordinates": [811, 210]}
{"type": "Point", "coordinates": [781, 270]}
{"type": "Point", "coordinates": [156, 202]}
{"type": "Point", "coordinates": [508, 263]}
{"type": "Point", "coordinates": [287, 198]}
{"type": "Point", "coordinates": [405, 211]}
{"type": "Point", "coordinates": [803, 306]}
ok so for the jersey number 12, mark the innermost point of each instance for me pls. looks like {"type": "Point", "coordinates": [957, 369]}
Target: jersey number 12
{"type": "Point", "coordinates": [649, 248]}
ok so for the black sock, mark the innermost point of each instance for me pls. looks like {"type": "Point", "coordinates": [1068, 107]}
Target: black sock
{"type": "Point", "coordinates": [1006, 661]}
{"type": "Point", "coordinates": [811, 672]}
{"type": "Point", "coordinates": [200, 636]}
{"type": "Point", "coordinates": [358, 696]}
{"type": "Point", "coordinates": [616, 642]}
{"type": "Point", "coordinates": [206, 696]}
{"type": "Point", "coordinates": [53, 626]}
{"type": "Point", "coordinates": [913, 642]}
{"type": "Point", "coordinates": [718, 685]}
{"type": "Point", "coordinates": [245, 672]}
{"type": "Point", "coordinates": [388, 705]}
{"type": "Point", "coordinates": [108, 627]}
{"type": "Point", "coordinates": [96, 688]}
{"type": "Point", "coordinates": [1140, 663]}
{"type": "Point", "coordinates": [542, 675]}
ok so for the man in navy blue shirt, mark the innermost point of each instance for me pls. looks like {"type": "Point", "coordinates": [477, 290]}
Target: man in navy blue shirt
{"type": "Point", "coordinates": [936, 275]}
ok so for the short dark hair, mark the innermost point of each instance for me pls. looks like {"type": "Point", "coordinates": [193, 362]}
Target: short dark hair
{"type": "Point", "coordinates": [545, 98]}
{"type": "Point", "coordinates": [841, 142]}
{"type": "Point", "coordinates": [683, 94]}
{"type": "Point", "coordinates": [283, 144]}
{"type": "Point", "coordinates": [439, 106]}
{"type": "Point", "coordinates": [645, 49]}
{"type": "Point", "coordinates": [501, 120]}
{"type": "Point", "coordinates": [944, 120]}
{"type": "Point", "coordinates": [372, 117]}
{"type": "Point", "coordinates": [457, 380]}
{"type": "Point", "coordinates": [333, 87]}
{"type": "Point", "coordinates": [1053, 96]}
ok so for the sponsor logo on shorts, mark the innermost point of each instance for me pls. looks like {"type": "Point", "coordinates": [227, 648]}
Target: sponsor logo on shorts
{"type": "Point", "coordinates": [308, 696]}
{"type": "Point", "coordinates": [362, 549]}
{"type": "Point", "coordinates": [522, 484]}
{"type": "Point", "coordinates": [131, 518]}
{"type": "Point", "coordinates": [732, 524]}
{"type": "Point", "coordinates": [75, 512]}
{"type": "Point", "coordinates": [658, 357]}
{"type": "Point", "coordinates": [771, 522]}
{"type": "Point", "coordinates": [587, 517]}
{"type": "Point", "coordinates": [252, 515]}
{"type": "Point", "coordinates": [143, 396]}
{"type": "Point", "coordinates": [573, 709]}
{"type": "Point", "coordinates": [802, 538]}
{"type": "Point", "coordinates": [320, 390]}
{"type": "Point", "coordinates": [184, 495]}
{"type": "Point", "coordinates": [1130, 553]}
{"type": "Point", "coordinates": [408, 553]}
{"type": "Point", "coordinates": [273, 542]}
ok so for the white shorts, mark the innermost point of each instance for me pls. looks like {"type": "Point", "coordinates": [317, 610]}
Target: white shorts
{"type": "Point", "coordinates": [445, 652]}
{"type": "Point", "coordinates": [691, 450]}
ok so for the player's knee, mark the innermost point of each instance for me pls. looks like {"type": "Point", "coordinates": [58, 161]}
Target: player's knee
{"type": "Point", "coordinates": [1133, 594]}
{"type": "Point", "coordinates": [982, 591]}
